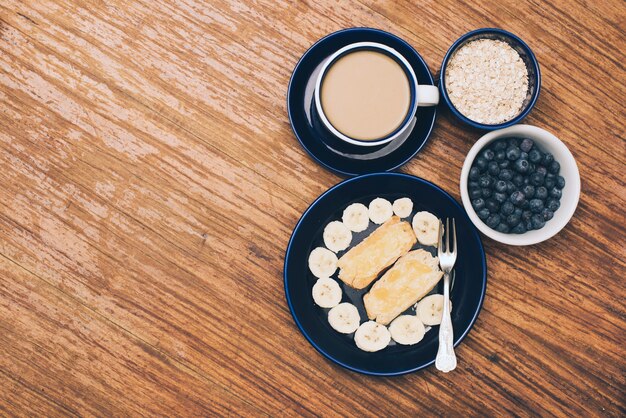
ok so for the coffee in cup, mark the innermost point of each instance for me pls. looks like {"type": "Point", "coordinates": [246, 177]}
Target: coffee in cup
{"type": "Point", "coordinates": [367, 94]}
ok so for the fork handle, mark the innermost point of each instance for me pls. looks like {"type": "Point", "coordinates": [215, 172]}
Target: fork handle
{"type": "Point", "coordinates": [446, 359]}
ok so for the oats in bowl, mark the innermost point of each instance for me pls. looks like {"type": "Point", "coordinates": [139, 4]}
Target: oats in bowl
{"type": "Point", "coordinates": [487, 81]}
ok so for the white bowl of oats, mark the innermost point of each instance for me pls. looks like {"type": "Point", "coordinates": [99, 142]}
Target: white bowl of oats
{"type": "Point", "coordinates": [490, 79]}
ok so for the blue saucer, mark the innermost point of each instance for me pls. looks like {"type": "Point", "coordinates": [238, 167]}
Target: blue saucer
{"type": "Point", "coordinates": [350, 160]}
{"type": "Point", "coordinates": [467, 294]}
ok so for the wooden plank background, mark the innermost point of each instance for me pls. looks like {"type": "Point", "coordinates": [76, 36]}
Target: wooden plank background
{"type": "Point", "coordinates": [150, 182]}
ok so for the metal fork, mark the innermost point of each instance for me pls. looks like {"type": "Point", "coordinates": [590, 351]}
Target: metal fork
{"type": "Point", "coordinates": [446, 359]}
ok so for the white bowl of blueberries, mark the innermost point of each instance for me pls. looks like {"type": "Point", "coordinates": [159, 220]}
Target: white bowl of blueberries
{"type": "Point", "coordinates": [520, 185]}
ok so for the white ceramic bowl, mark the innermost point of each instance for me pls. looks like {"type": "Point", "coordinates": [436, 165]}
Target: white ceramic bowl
{"type": "Point", "coordinates": [569, 170]}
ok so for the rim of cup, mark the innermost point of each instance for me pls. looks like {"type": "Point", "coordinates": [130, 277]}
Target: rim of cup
{"type": "Point", "coordinates": [407, 67]}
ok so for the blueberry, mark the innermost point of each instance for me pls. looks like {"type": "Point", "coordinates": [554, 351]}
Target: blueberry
{"type": "Point", "coordinates": [519, 228]}
{"type": "Point", "coordinates": [507, 208]}
{"type": "Point", "coordinates": [499, 156]}
{"type": "Point", "coordinates": [555, 193]}
{"type": "Point", "coordinates": [478, 204]}
{"type": "Point", "coordinates": [486, 192]}
{"type": "Point", "coordinates": [513, 153]}
{"type": "Point", "coordinates": [517, 198]}
{"type": "Point", "coordinates": [554, 167]}
{"type": "Point", "coordinates": [547, 159]}
{"type": "Point", "coordinates": [499, 145]}
{"type": "Point", "coordinates": [541, 170]}
{"type": "Point", "coordinates": [483, 213]}
{"type": "Point", "coordinates": [505, 174]}
{"type": "Point", "coordinates": [560, 182]}
{"type": "Point", "coordinates": [528, 224]}
{"type": "Point", "coordinates": [518, 212]}
{"type": "Point", "coordinates": [510, 187]}
{"type": "Point", "coordinates": [500, 186]}
{"type": "Point", "coordinates": [547, 214]}
{"type": "Point", "coordinates": [485, 181]}
{"type": "Point", "coordinates": [535, 156]}
{"type": "Point", "coordinates": [526, 215]}
{"type": "Point", "coordinates": [481, 163]}
{"type": "Point", "coordinates": [474, 173]}
{"type": "Point", "coordinates": [526, 144]}
{"type": "Point", "coordinates": [521, 166]}
{"type": "Point", "coordinates": [492, 205]}
{"type": "Point", "coordinates": [523, 155]}
{"type": "Point", "coordinates": [493, 168]}
{"type": "Point", "coordinates": [537, 221]}
{"type": "Point", "coordinates": [529, 191]}
{"type": "Point", "coordinates": [526, 180]}
{"type": "Point", "coordinates": [513, 142]}
{"type": "Point", "coordinates": [502, 227]}
{"type": "Point", "coordinates": [472, 184]}
{"type": "Point", "coordinates": [536, 205]}
{"type": "Point", "coordinates": [541, 193]}
{"type": "Point", "coordinates": [513, 219]}
{"type": "Point", "coordinates": [531, 168]}
{"type": "Point", "coordinates": [549, 182]}
{"type": "Point", "coordinates": [493, 220]}
{"type": "Point", "coordinates": [487, 154]}
{"type": "Point", "coordinates": [504, 164]}
{"type": "Point", "coordinates": [475, 193]}
{"type": "Point", "coordinates": [537, 179]}
{"type": "Point", "coordinates": [553, 205]}
{"type": "Point", "coordinates": [499, 197]}
{"type": "Point", "coordinates": [518, 180]}
{"type": "Point", "coordinates": [525, 204]}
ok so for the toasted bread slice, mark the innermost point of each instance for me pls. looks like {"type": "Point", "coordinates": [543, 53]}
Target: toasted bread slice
{"type": "Point", "coordinates": [363, 263]}
{"type": "Point", "coordinates": [409, 280]}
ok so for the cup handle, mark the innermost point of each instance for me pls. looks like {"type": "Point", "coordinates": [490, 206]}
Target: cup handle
{"type": "Point", "coordinates": [427, 95]}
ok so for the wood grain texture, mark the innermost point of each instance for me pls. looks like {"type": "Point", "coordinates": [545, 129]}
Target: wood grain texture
{"type": "Point", "coordinates": [150, 182]}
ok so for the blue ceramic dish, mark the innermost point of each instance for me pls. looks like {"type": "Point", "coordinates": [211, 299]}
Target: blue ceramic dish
{"type": "Point", "coordinates": [342, 158]}
{"type": "Point", "coordinates": [467, 293]}
{"type": "Point", "coordinates": [534, 75]}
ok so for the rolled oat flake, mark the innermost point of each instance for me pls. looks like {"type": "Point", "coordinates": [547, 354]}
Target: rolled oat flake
{"type": "Point", "coordinates": [487, 81]}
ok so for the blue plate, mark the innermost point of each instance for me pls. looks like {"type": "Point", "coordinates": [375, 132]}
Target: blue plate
{"type": "Point", "coordinates": [346, 160]}
{"type": "Point", "coordinates": [468, 290]}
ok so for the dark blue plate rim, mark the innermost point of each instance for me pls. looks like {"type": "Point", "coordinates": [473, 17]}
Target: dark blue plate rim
{"type": "Point", "coordinates": [289, 90]}
{"type": "Point", "coordinates": [286, 285]}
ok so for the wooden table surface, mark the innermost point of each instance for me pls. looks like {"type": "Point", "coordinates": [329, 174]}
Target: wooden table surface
{"type": "Point", "coordinates": [150, 183]}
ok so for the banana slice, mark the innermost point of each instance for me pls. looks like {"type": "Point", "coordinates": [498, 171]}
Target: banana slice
{"type": "Point", "coordinates": [326, 293]}
{"type": "Point", "coordinates": [344, 318]}
{"type": "Point", "coordinates": [372, 336]}
{"type": "Point", "coordinates": [426, 228]}
{"type": "Point", "coordinates": [356, 217]}
{"type": "Point", "coordinates": [380, 210]}
{"type": "Point", "coordinates": [322, 262]}
{"type": "Point", "coordinates": [430, 309]}
{"type": "Point", "coordinates": [337, 236]}
{"type": "Point", "coordinates": [407, 330]}
{"type": "Point", "coordinates": [403, 207]}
